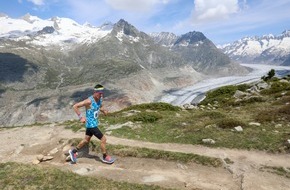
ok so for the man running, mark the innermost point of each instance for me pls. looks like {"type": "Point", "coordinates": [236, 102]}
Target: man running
{"type": "Point", "coordinates": [93, 105]}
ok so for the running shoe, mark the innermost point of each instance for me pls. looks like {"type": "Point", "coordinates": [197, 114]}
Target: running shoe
{"type": "Point", "coordinates": [73, 155]}
{"type": "Point", "coordinates": [108, 160]}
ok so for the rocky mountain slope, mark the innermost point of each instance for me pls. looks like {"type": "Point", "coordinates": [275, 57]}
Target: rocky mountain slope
{"type": "Point", "coordinates": [267, 49]}
{"type": "Point", "coordinates": [47, 65]}
{"type": "Point", "coordinates": [198, 51]}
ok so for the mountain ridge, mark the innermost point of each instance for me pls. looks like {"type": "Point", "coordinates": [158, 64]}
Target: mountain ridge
{"type": "Point", "coordinates": [70, 58]}
{"type": "Point", "coordinates": [267, 49]}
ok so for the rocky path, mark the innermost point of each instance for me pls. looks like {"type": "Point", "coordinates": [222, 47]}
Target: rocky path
{"type": "Point", "coordinates": [24, 144]}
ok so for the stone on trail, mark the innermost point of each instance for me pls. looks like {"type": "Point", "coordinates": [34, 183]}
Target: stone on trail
{"type": "Point", "coordinates": [40, 157]}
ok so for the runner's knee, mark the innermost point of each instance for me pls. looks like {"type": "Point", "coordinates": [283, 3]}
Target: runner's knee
{"type": "Point", "coordinates": [103, 139]}
{"type": "Point", "coordinates": [85, 141]}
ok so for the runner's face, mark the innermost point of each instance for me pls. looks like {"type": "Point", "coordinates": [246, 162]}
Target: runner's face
{"type": "Point", "coordinates": [98, 95]}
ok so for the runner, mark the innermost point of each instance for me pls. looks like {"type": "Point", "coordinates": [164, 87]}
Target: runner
{"type": "Point", "coordinates": [93, 105]}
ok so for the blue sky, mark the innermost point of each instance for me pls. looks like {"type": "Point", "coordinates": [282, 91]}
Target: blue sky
{"type": "Point", "coordinates": [222, 21]}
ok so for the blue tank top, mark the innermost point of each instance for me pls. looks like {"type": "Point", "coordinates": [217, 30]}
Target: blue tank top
{"type": "Point", "coordinates": [92, 113]}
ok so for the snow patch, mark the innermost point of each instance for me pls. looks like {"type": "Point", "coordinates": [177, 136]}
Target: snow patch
{"type": "Point", "coordinates": [66, 30]}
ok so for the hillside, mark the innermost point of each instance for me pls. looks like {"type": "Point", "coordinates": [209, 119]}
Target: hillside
{"type": "Point", "coordinates": [237, 138]}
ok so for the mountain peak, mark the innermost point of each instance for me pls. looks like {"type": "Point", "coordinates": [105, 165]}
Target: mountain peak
{"type": "Point", "coordinates": [124, 24]}
{"type": "Point", "coordinates": [55, 18]}
{"type": "Point", "coordinates": [126, 28]}
{"type": "Point", "coordinates": [190, 38]}
{"type": "Point", "coordinates": [107, 26]}
{"type": "Point", "coordinates": [286, 33]}
{"type": "Point", "coordinates": [28, 18]}
{"type": "Point", "coordinates": [122, 21]}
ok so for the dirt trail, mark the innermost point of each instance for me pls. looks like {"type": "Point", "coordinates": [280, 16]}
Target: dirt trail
{"type": "Point", "coordinates": [24, 144]}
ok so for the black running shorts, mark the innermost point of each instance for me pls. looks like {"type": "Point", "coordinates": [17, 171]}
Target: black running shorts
{"type": "Point", "coordinates": [94, 131]}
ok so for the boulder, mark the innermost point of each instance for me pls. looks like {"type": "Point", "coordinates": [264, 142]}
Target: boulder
{"type": "Point", "coordinates": [239, 128]}
{"type": "Point", "coordinates": [253, 90]}
{"type": "Point", "coordinates": [208, 141]}
{"type": "Point", "coordinates": [255, 124]}
{"type": "Point", "coordinates": [189, 107]}
{"type": "Point", "coordinates": [262, 85]}
{"type": "Point", "coordinates": [239, 94]}
{"type": "Point", "coordinates": [40, 157]}
{"type": "Point", "coordinates": [46, 158]}
{"type": "Point", "coordinates": [35, 162]}
{"type": "Point", "coordinates": [53, 151]}
{"type": "Point", "coordinates": [65, 149]}
{"type": "Point", "coordinates": [283, 80]}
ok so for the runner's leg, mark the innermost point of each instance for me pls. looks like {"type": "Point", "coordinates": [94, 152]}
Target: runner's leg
{"type": "Point", "coordinates": [85, 141]}
{"type": "Point", "coordinates": [103, 145]}
{"type": "Point", "coordinates": [103, 140]}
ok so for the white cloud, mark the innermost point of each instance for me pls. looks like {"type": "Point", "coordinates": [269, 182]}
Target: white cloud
{"type": "Point", "coordinates": [212, 10]}
{"type": "Point", "coordinates": [253, 17]}
{"type": "Point", "coordinates": [88, 10]}
{"type": "Point", "coordinates": [250, 19]}
{"type": "Point", "coordinates": [135, 5]}
{"type": "Point", "coordinates": [37, 2]}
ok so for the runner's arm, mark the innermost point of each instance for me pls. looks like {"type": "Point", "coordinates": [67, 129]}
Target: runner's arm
{"type": "Point", "coordinates": [79, 105]}
{"type": "Point", "coordinates": [103, 110]}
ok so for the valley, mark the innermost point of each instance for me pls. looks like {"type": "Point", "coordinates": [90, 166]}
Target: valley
{"type": "Point", "coordinates": [194, 94]}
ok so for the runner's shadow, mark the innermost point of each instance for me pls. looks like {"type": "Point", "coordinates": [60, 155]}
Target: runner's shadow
{"type": "Point", "coordinates": [91, 156]}
{"type": "Point", "coordinates": [96, 158]}
{"type": "Point", "coordinates": [84, 152]}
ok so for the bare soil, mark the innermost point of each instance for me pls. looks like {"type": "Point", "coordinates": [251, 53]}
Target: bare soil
{"type": "Point", "coordinates": [24, 144]}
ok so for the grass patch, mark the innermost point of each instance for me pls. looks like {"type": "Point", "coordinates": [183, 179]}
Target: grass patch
{"type": "Point", "coordinates": [266, 116]}
{"type": "Point", "coordinates": [164, 155]}
{"type": "Point", "coordinates": [251, 100]}
{"type": "Point", "coordinates": [224, 94]}
{"type": "Point", "coordinates": [274, 114]}
{"type": "Point", "coordinates": [23, 176]}
{"type": "Point", "coordinates": [73, 125]}
{"type": "Point", "coordinates": [212, 115]}
{"type": "Point", "coordinates": [276, 87]}
{"type": "Point", "coordinates": [277, 170]}
{"type": "Point", "coordinates": [158, 106]}
{"type": "Point", "coordinates": [285, 111]}
{"type": "Point", "coordinates": [228, 161]}
{"type": "Point", "coordinates": [146, 117]}
{"type": "Point", "coordinates": [230, 123]}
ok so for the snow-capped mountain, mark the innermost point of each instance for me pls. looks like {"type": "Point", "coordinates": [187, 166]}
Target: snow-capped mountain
{"type": "Point", "coordinates": [58, 30]}
{"type": "Point", "coordinates": [52, 63]}
{"type": "Point", "coordinates": [268, 49]}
